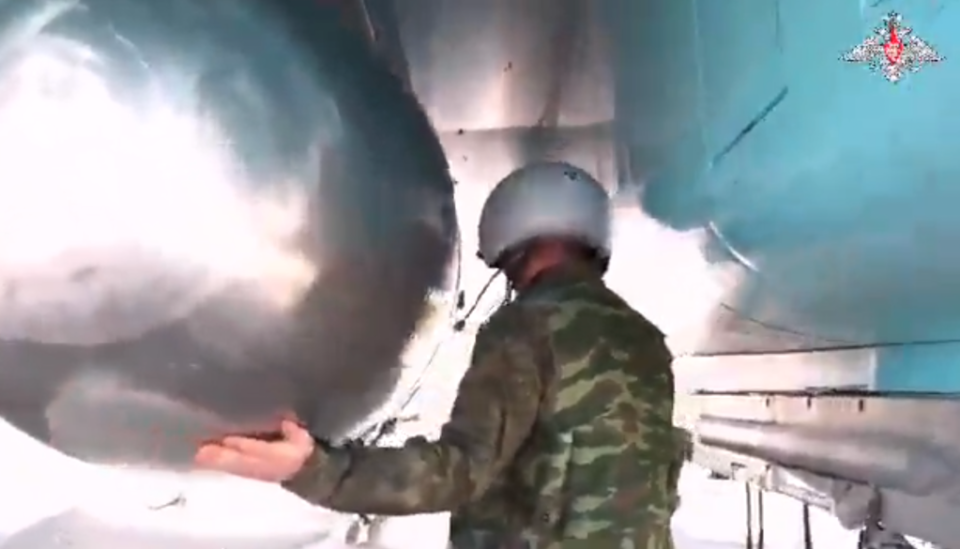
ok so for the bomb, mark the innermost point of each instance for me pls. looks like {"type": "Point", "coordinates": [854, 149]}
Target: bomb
{"type": "Point", "coordinates": [212, 214]}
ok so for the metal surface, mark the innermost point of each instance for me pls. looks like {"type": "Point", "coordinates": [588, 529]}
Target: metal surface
{"type": "Point", "coordinates": [480, 66]}
{"type": "Point", "coordinates": [904, 464]}
{"type": "Point", "coordinates": [823, 194]}
{"type": "Point", "coordinates": [211, 213]}
{"type": "Point", "coordinates": [843, 447]}
{"type": "Point", "coordinates": [817, 201]}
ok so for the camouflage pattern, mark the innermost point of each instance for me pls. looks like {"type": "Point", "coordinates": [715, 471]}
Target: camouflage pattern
{"type": "Point", "coordinates": [561, 436]}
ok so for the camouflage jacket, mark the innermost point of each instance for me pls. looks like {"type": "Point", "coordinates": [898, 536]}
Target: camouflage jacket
{"type": "Point", "coordinates": [561, 435]}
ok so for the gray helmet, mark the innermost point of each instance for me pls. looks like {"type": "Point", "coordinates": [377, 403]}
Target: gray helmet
{"type": "Point", "coordinates": [548, 199]}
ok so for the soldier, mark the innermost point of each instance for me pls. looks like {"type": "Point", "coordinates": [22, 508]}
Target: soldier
{"type": "Point", "coordinates": [561, 435]}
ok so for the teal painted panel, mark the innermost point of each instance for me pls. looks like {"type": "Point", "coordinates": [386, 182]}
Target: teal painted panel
{"type": "Point", "coordinates": [836, 191]}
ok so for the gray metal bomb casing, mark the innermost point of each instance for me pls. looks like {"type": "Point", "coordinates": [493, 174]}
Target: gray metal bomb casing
{"type": "Point", "coordinates": [212, 213]}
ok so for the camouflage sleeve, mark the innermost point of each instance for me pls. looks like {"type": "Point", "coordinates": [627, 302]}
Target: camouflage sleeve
{"type": "Point", "coordinates": [497, 404]}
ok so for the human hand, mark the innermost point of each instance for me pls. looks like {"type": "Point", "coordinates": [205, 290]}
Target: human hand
{"type": "Point", "coordinates": [273, 461]}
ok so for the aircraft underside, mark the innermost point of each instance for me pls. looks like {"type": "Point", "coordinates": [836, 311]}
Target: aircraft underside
{"type": "Point", "coordinates": [213, 213]}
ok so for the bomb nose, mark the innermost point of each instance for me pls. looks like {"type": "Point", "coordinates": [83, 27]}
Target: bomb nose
{"type": "Point", "coordinates": [210, 212]}
{"type": "Point", "coordinates": [129, 214]}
